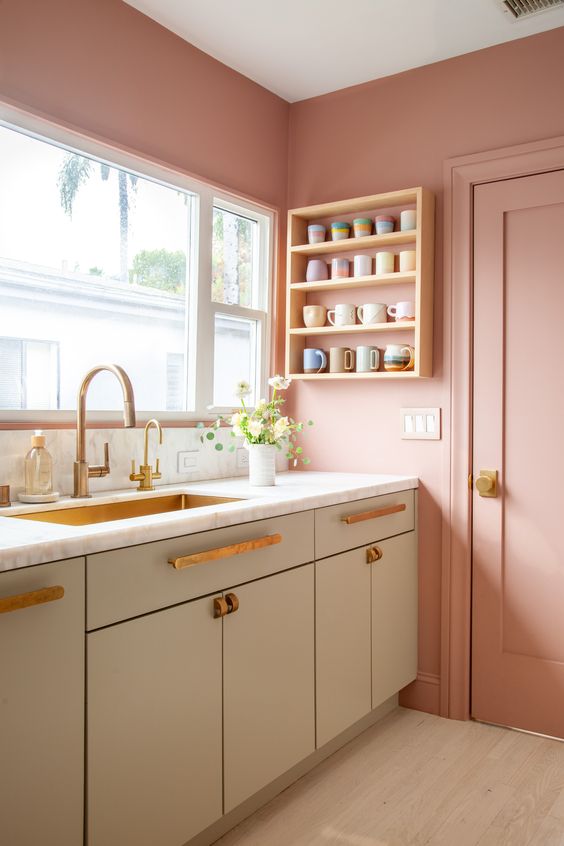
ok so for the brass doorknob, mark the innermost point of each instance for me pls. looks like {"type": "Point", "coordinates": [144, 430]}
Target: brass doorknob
{"type": "Point", "coordinates": [373, 553]}
{"type": "Point", "coordinates": [486, 483]}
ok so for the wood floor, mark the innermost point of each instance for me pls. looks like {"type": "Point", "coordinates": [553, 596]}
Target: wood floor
{"type": "Point", "coordinates": [414, 779]}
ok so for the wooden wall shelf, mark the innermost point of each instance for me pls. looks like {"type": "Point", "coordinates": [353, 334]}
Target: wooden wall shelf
{"type": "Point", "coordinates": [350, 244]}
{"type": "Point", "coordinates": [357, 329]}
{"type": "Point", "coordinates": [418, 284]}
{"type": "Point", "coordinates": [398, 278]}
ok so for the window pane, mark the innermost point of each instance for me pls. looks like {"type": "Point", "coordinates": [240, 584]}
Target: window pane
{"type": "Point", "coordinates": [234, 358]}
{"type": "Point", "coordinates": [93, 268]}
{"type": "Point", "coordinates": [234, 259]}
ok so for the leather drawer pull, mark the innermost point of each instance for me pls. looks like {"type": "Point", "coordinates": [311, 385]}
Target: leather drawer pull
{"type": "Point", "coordinates": [34, 597]}
{"type": "Point", "coordinates": [371, 515]}
{"type": "Point", "coordinates": [224, 551]}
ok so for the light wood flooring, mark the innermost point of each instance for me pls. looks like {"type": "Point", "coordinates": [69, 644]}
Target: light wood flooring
{"type": "Point", "coordinates": [418, 780]}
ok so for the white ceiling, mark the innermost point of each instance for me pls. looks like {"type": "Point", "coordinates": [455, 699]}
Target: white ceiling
{"type": "Point", "coordinates": [302, 48]}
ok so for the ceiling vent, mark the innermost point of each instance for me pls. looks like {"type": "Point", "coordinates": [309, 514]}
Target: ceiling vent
{"type": "Point", "coordinates": [524, 8]}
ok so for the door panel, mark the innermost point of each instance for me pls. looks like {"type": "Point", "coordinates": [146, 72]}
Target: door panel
{"type": "Point", "coordinates": [518, 548]}
{"type": "Point", "coordinates": [268, 682]}
{"type": "Point", "coordinates": [154, 727]}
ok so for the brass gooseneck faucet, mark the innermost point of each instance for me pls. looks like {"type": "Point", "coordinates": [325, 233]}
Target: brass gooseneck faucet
{"type": "Point", "coordinates": [146, 473]}
{"type": "Point", "coordinates": [82, 470]}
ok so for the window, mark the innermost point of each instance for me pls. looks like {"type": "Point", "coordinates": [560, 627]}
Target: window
{"type": "Point", "coordinates": [125, 262]}
{"type": "Point", "coordinates": [29, 374]}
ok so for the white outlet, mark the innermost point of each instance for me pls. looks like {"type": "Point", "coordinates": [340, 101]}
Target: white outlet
{"type": "Point", "coordinates": [242, 458]}
{"type": "Point", "coordinates": [187, 461]}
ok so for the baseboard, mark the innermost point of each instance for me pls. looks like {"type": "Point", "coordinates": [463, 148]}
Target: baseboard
{"type": "Point", "coordinates": [241, 812]}
{"type": "Point", "coordinates": [423, 694]}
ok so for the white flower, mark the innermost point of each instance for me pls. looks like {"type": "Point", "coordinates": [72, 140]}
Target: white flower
{"type": "Point", "coordinates": [279, 383]}
{"type": "Point", "coordinates": [255, 428]}
{"type": "Point", "coordinates": [236, 421]}
{"type": "Point", "coordinates": [281, 426]}
{"type": "Point", "coordinates": [242, 389]}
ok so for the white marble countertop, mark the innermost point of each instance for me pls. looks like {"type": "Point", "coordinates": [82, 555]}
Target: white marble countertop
{"type": "Point", "coordinates": [24, 543]}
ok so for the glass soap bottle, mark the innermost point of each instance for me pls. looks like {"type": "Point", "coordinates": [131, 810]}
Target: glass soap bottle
{"type": "Point", "coordinates": [38, 468]}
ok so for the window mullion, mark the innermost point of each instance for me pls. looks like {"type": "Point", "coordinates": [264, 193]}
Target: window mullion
{"type": "Point", "coordinates": [203, 348]}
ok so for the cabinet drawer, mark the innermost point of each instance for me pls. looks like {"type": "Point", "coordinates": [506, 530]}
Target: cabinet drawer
{"type": "Point", "coordinates": [352, 524]}
{"type": "Point", "coordinates": [128, 582]}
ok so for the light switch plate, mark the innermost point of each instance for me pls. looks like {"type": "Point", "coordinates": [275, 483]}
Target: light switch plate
{"type": "Point", "coordinates": [420, 424]}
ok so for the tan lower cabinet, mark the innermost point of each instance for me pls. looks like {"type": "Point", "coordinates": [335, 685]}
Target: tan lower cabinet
{"type": "Point", "coordinates": [268, 678]}
{"type": "Point", "coordinates": [394, 616]}
{"type": "Point", "coordinates": [154, 727]}
{"type": "Point", "coordinates": [366, 630]}
{"type": "Point", "coordinates": [42, 705]}
{"type": "Point", "coordinates": [342, 626]}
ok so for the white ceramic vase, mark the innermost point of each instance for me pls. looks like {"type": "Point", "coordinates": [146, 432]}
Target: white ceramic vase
{"type": "Point", "coordinates": [262, 464]}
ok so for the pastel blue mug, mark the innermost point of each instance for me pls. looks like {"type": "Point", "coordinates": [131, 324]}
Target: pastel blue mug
{"type": "Point", "coordinates": [314, 360]}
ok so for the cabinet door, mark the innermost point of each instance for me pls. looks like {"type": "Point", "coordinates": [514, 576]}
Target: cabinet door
{"type": "Point", "coordinates": [342, 642]}
{"type": "Point", "coordinates": [394, 617]}
{"type": "Point", "coordinates": [268, 676]}
{"type": "Point", "coordinates": [154, 727]}
{"type": "Point", "coordinates": [42, 707]}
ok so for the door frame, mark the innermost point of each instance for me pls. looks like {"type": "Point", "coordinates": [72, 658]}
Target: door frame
{"type": "Point", "coordinates": [460, 175]}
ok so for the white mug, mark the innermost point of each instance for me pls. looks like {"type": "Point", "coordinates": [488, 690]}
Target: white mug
{"type": "Point", "coordinates": [367, 359]}
{"type": "Point", "coordinates": [344, 314]}
{"type": "Point", "coordinates": [385, 262]}
{"type": "Point", "coordinates": [408, 220]}
{"type": "Point", "coordinates": [372, 313]}
{"type": "Point", "coordinates": [363, 265]}
{"type": "Point", "coordinates": [407, 260]}
{"type": "Point", "coordinates": [404, 310]}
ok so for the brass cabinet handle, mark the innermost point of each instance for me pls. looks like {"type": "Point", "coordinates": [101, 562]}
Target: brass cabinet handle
{"type": "Point", "coordinates": [220, 607]}
{"type": "Point", "coordinates": [224, 551]}
{"type": "Point", "coordinates": [373, 553]}
{"type": "Point", "coordinates": [34, 597]}
{"type": "Point", "coordinates": [232, 602]}
{"type": "Point", "coordinates": [371, 515]}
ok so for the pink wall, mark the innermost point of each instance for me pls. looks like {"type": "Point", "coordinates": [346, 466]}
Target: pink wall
{"type": "Point", "coordinates": [114, 73]}
{"type": "Point", "coordinates": [396, 133]}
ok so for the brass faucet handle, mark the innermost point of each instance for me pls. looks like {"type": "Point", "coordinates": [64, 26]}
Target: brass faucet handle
{"type": "Point", "coordinates": [135, 477]}
{"type": "Point", "coordinates": [97, 470]}
{"type": "Point", "coordinates": [157, 471]}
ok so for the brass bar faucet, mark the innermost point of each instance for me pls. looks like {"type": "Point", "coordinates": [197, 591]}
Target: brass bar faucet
{"type": "Point", "coordinates": [146, 473]}
{"type": "Point", "coordinates": [82, 470]}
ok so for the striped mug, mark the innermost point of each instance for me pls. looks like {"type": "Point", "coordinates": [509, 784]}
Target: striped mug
{"type": "Point", "coordinates": [399, 357]}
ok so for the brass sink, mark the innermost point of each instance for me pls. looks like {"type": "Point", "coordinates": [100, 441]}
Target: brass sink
{"type": "Point", "coordinates": [86, 515]}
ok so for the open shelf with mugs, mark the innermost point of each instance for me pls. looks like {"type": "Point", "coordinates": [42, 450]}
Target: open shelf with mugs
{"type": "Point", "coordinates": [391, 237]}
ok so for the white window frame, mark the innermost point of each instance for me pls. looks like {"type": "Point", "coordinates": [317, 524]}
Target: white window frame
{"type": "Point", "coordinates": [200, 308]}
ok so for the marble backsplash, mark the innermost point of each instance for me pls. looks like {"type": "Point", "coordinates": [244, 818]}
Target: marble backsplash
{"type": "Point", "coordinates": [125, 444]}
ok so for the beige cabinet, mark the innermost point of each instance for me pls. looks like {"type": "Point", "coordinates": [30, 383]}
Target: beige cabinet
{"type": "Point", "coordinates": [366, 622]}
{"type": "Point", "coordinates": [268, 677]}
{"type": "Point", "coordinates": [343, 657]}
{"type": "Point", "coordinates": [394, 616]}
{"type": "Point", "coordinates": [42, 705]}
{"type": "Point", "coordinates": [154, 727]}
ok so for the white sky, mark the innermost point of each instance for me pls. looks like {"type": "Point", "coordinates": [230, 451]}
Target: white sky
{"type": "Point", "coordinates": [34, 228]}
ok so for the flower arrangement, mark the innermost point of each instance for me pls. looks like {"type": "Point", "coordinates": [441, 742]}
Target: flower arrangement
{"type": "Point", "coordinates": [265, 424]}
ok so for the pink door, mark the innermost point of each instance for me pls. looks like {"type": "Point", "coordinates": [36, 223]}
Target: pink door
{"type": "Point", "coordinates": [518, 537]}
